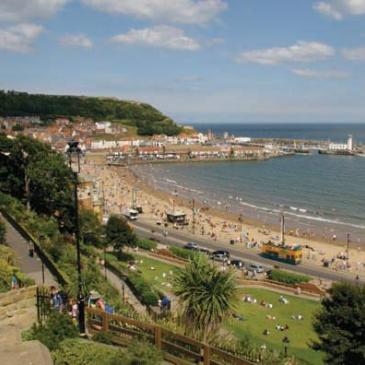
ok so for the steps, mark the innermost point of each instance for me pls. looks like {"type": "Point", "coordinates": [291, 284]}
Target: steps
{"type": "Point", "coordinates": [17, 313]}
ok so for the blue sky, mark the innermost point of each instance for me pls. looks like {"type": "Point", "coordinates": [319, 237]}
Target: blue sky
{"type": "Point", "coordinates": [196, 60]}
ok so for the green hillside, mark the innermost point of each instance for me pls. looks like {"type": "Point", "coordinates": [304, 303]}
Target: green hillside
{"type": "Point", "coordinates": [146, 118]}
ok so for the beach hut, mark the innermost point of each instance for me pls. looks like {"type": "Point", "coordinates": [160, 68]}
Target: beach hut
{"type": "Point", "coordinates": [176, 217]}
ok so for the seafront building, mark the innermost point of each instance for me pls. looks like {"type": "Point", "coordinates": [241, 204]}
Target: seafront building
{"type": "Point", "coordinates": [349, 146]}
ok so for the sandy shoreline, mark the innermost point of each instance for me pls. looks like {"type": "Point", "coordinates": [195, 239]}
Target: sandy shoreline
{"type": "Point", "coordinates": [211, 223]}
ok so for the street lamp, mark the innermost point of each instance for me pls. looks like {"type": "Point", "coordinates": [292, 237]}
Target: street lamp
{"type": "Point", "coordinates": [73, 153]}
{"type": "Point", "coordinates": [286, 342]}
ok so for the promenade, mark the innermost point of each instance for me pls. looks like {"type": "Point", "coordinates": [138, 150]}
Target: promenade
{"type": "Point", "coordinates": [31, 266]}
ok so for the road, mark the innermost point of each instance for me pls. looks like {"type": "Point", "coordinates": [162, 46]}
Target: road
{"type": "Point", "coordinates": [179, 239]}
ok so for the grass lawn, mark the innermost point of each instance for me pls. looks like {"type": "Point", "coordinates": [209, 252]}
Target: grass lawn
{"type": "Point", "coordinates": [155, 276]}
{"type": "Point", "coordinates": [299, 333]}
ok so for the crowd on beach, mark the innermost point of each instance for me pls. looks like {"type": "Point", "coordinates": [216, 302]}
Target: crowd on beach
{"type": "Point", "coordinates": [119, 182]}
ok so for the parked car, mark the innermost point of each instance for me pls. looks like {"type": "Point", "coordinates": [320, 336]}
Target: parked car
{"type": "Point", "coordinates": [222, 252]}
{"type": "Point", "coordinates": [238, 264]}
{"type": "Point", "coordinates": [191, 246]}
{"type": "Point", "coordinates": [219, 257]}
{"type": "Point", "coordinates": [255, 268]}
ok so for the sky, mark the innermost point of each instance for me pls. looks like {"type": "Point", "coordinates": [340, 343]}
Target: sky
{"type": "Point", "coordinates": [197, 61]}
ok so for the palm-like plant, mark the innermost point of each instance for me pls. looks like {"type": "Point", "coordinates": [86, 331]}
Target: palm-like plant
{"type": "Point", "coordinates": [206, 294]}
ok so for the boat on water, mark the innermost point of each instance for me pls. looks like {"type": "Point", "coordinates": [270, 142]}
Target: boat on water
{"type": "Point", "coordinates": [301, 151]}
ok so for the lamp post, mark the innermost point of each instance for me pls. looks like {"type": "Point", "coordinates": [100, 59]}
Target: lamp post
{"type": "Point", "coordinates": [73, 153]}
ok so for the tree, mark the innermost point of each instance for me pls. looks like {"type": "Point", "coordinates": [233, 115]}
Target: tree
{"type": "Point", "coordinates": [207, 296]}
{"type": "Point", "coordinates": [91, 229]}
{"type": "Point", "coordinates": [119, 233]}
{"type": "Point", "coordinates": [2, 232]}
{"type": "Point", "coordinates": [341, 325]}
{"type": "Point", "coordinates": [31, 170]}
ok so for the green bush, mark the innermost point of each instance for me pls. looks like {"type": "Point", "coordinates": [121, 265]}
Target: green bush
{"type": "Point", "coordinates": [183, 253]}
{"type": "Point", "coordinates": [142, 289]}
{"type": "Point", "coordinates": [139, 353]}
{"type": "Point", "coordinates": [81, 352]}
{"type": "Point", "coordinates": [103, 337]}
{"type": "Point", "coordinates": [287, 277]}
{"type": "Point", "coordinates": [57, 328]}
{"type": "Point", "coordinates": [146, 244]}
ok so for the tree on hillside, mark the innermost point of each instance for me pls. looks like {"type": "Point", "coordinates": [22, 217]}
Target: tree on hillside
{"type": "Point", "coordinates": [341, 325]}
{"type": "Point", "coordinates": [32, 172]}
{"type": "Point", "coordinates": [207, 296]}
{"type": "Point", "coordinates": [119, 233]}
{"type": "Point", "coordinates": [91, 229]}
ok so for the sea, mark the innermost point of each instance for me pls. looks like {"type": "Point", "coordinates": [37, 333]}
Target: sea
{"type": "Point", "coordinates": [320, 195]}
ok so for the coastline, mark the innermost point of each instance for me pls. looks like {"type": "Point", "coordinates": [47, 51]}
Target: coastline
{"type": "Point", "coordinates": [217, 224]}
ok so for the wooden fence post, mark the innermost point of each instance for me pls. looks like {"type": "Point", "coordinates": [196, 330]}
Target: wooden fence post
{"type": "Point", "coordinates": [105, 323]}
{"type": "Point", "coordinates": [206, 355]}
{"type": "Point", "coordinates": [158, 337]}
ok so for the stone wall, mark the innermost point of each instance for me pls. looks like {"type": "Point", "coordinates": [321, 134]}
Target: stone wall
{"type": "Point", "coordinates": [15, 301]}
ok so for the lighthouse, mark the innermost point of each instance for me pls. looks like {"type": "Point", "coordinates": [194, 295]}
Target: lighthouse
{"type": "Point", "coordinates": [350, 143]}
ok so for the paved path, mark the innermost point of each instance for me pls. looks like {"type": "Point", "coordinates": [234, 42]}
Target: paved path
{"type": "Point", "coordinates": [31, 266]}
{"type": "Point", "coordinates": [132, 300]}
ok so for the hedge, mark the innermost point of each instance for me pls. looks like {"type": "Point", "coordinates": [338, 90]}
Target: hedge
{"type": "Point", "coordinates": [146, 244]}
{"type": "Point", "coordinates": [287, 277]}
{"type": "Point", "coordinates": [183, 253]}
{"type": "Point", "coordinates": [142, 289]}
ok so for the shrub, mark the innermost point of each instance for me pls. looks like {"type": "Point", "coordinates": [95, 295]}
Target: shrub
{"type": "Point", "coordinates": [103, 337]}
{"type": "Point", "coordinates": [287, 277]}
{"type": "Point", "coordinates": [81, 352]}
{"type": "Point", "coordinates": [139, 353]}
{"type": "Point", "coordinates": [146, 244]}
{"type": "Point", "coordinates": [183, 253]}
{"type": "Point", "coordinates": [142, 289]}
{"type": "Point", "coordinates": [57, 328]}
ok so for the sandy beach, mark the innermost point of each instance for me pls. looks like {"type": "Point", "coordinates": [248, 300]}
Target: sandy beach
{"type": "Point", "coordinates": [215, 224]}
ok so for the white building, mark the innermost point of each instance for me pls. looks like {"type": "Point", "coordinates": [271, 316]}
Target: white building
{"type": "Point", "coordinates": [241, 140]}
{"type": "Point", "coordinates": [349, 146]}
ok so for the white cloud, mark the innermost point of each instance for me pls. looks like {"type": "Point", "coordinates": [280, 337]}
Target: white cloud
{"type": "Point", "coordinates": [174, 11]}
{"type": "Point", "coordinates": [76, 40]}
{"type": "Point", "coordinates": [354, 54]}
{"type": "Point", "coordinates": [162, 36]}
{"type": "Point", "coordinates": [20, 10]}
{"type": "Point", "coordinates": [328, 10]}
{"type": "Point", "coordinates": [299, 52]}
{"type": "Point", "coordinates": [337, 9]}
{"type": "Point", "coordinates": [320, 74]}
{"type": "Point", "coordinates": [19, 38]}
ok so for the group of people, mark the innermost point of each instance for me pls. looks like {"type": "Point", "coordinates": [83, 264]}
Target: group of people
{"type": "Point", "coordinates": [60, 302]}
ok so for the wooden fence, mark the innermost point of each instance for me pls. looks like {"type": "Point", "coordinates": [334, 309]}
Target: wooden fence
{"type": "Point", "coordinates": [177, 349]}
